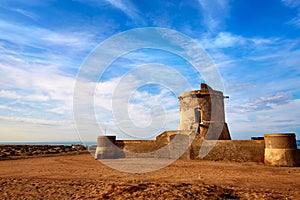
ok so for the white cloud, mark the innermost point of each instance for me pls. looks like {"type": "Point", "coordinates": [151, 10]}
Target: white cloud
{"type": "Point", "coordinates": [26, 13]}
{"type": "Point", "coordinates": [214, 13]}
{"type": "Point", "coordinates": [125, 6]}
{"type": "Point", "coordinates": [22, 129]}
{"type": "Point", "coordinates": [296, 20]}
{"type": "Point", "coordinates": [282, 118]}
{"type": "Point", "coordinates": [291, 3]}
{"type": "Point", "coordinates": [295, 4]}
{"type": "Point", "coordinates": [20, 11]}
{"type": "Point", "coordinates": [43, 81]}
{"type": "Point", "coordinates": [43, 89]}
{"type": "Point", "coordinates": [9, 94]}
{"type": "Point", "coordinates": [140, 112]}
{"type": "Point", "coordinates": [42, 122]}
{"type": "Point", "coordinates": [138, 109]}
{"type": "Point", "coordinates": [73, 39]}
{"type": "Point", "coordinates": [227, 40]}
{"type": "Point", "coordinates": [43, 39]}
{"type": "Point", "coordinates": [61, 109]}
{"type": "Point", "coordinates": [9, 108]}
{"type": "Point", "coordinates": [36, 97]}
{"type": "Point", "coordinates": [259, 104]}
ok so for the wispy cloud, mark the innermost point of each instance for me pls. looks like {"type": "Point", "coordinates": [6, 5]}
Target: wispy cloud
{"type": "Point", "coordinates": [291, 3]}
{"type": "Point", "coordinates": [41, 122]}
{"type": "Point", "coordinates": [125, 6]}
{"type": "Point", "coordinates": [20, 11]}
{"type": "Point", "coordinates": [43, 47]}
{"type": "Point", "coordinates": [139, 108]}
{"type": "Point", "coordinates": [2, 107]}
{"type": "Point", "coordinates": [294, 4]}
{"type": "Point", "coordinates": [40, 55]}
{"type": "Point", "coordinates": [296, 20]}
{"type": "Point", "coordinates": [34, 129]}
{"type": "Point", "coordinates": [9, 94]}
{"type": "Point", "coordinates": [41, 38]}
{"type": "Point", "coordinates": [260, 76]}
{"type": "Point", "coordinates": [230, 40]}
{"type": "Point", "coordinates": [26, 13]}
{"type": "Point", "coordinates": [260, 103]}
{"type": "Point", "coordinates": [214, 13]}
{"type": "Point", "coordinates": [46, 85]}
{"type": "Point", "coordinates": [282, 118]}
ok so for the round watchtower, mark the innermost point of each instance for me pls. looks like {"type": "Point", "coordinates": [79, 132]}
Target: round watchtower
{"type": "Point", "coordinates": [201, 110]}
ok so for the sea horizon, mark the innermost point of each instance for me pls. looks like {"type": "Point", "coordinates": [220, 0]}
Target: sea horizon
{"type": "Point", "coordinates": [72, 143]}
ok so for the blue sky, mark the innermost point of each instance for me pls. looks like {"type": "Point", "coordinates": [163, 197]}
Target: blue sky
{"type": "Point", "coordinates": [254, 44]}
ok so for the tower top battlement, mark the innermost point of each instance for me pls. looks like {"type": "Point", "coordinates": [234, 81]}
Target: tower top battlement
{"type": "Point", "coordinates": [204, 90]}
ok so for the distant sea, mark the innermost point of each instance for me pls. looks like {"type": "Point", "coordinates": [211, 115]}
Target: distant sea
{"type": "Point", "coordinates": [71, 143]}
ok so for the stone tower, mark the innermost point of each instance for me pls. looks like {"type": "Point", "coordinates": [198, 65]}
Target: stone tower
{"type": "Point", "coordinates": [203, 110]}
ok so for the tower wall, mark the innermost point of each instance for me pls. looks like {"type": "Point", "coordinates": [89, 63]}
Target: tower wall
{"type": "Point", "coordinates": [203, 110]}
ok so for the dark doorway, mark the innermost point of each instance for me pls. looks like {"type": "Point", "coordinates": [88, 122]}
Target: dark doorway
{"type": "Point", "coordinates": [198, 118]}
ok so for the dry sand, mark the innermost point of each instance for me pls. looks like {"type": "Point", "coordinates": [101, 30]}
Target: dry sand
{"type": "Point", "coordinates": [82, 177]}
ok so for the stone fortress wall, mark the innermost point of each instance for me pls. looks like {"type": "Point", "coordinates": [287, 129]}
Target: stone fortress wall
{"type": "Point", "coordinates": [228, 150]}
{"type": "Point", "coordinates": [202, 124]}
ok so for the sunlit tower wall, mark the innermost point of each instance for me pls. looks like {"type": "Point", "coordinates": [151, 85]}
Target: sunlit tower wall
{"type": "Point", "coordinates": [203, 110]}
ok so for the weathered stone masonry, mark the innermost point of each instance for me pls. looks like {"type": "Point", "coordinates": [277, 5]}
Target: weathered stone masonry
{"type": "Point", "coordinates": [202, 118]}
{"type": "Point", "coordinates": [201, 110]}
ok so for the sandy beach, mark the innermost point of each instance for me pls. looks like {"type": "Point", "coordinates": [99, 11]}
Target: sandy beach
{"type": "Point", "coordinates": [82, 177]}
